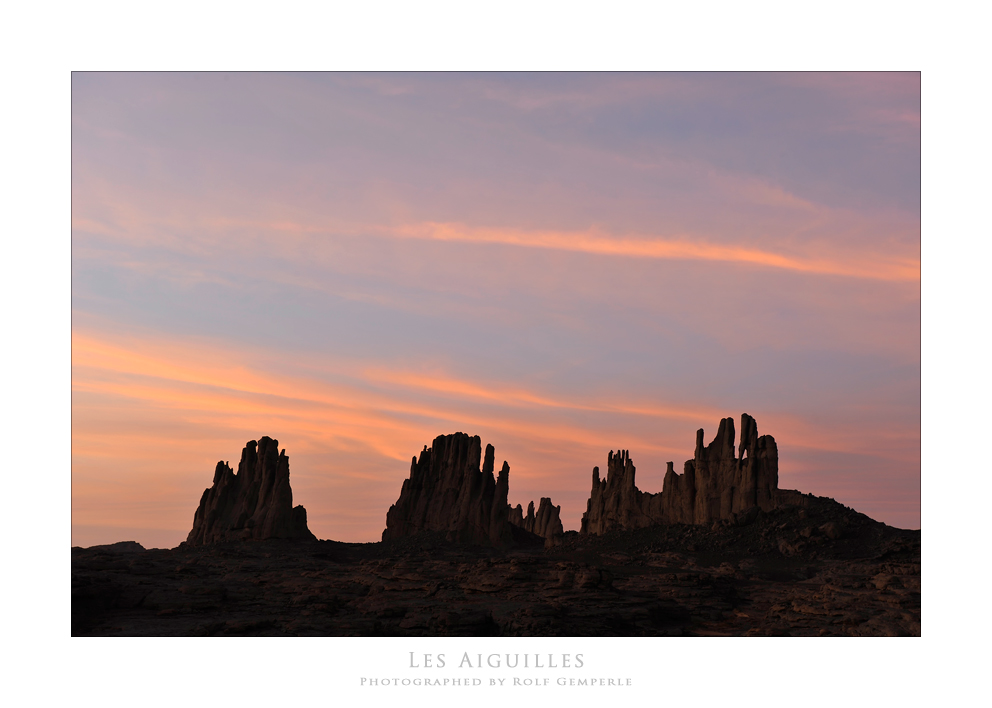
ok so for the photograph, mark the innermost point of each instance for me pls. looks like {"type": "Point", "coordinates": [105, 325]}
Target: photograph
{"type": "Point", "coordinates": [436, 354]}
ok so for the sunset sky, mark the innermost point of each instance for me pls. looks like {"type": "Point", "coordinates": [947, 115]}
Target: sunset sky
{"type": "Point", "coordinates": [562, 264]}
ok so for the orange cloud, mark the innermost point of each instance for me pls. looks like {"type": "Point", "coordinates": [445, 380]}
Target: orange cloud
{"type": "Point", "coordinates": [512, 396]}
{"type": "Point", "coordinates": [877, 268]}
{"type": "Point", "coordinates": [894, 265]}
{"type": "Point", "coordinates": [213, 380]}
{"type": "Point", "coordinates": [898, 266]}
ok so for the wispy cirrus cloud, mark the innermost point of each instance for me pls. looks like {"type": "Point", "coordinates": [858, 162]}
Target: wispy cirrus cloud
{"type": "Point", "coordinates": [881, 267]}
{"type": "Point", "coordinates": [897, 264]}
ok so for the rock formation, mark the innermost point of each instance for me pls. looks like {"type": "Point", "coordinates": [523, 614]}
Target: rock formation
{"type": "Point", "coordinates": [447, 492]}
{"type": "Point", "coordinates": [725, 484]}
{"type": "Point", "coordinates": [616, 503]}
{"type": "Point", "coordinates": [256, 503]}
{"type": "Point", "coordinates": [716, 484]}
{"type": "Point", "coordinates": [546, 523]}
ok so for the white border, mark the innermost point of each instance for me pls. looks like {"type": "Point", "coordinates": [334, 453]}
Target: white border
{"type": "Point", "coordinates": [43, 43]}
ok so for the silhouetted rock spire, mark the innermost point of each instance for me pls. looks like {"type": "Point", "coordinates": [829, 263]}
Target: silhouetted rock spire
{"type": "Point", "coordinates": [256, 503]}
{"type": "Point", "coordinates": [447, 492]}
{"type": "Point", "coordinates": [546, 523]}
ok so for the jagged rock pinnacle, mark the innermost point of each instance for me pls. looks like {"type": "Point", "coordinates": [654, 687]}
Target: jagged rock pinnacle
{"type": "Point", "coordinates": [256, 503]}
{"type": "Point", "coordinates": [448, 492]}
{"type": "Point", "coordinates": [546, 523]}
{"type": "Point", "coordinates": [715, 485]}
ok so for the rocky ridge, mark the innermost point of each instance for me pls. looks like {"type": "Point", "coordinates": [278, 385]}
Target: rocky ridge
{"type": "Point", "coordinates": [821, 569]}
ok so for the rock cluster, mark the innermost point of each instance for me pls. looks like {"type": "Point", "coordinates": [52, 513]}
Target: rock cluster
{"type": "Point", "coordinates": [256, 503]}
{"type": "Point", "coordinates": [616, 503]}
{"type": "Point", "coordinates": [448, 492]}
{"type": "Point", "coordinates": [723, 484]}
{"type": "Point", "coordinates": [546, 523]}
{"type": "Point", "coordinates": [718, 484]}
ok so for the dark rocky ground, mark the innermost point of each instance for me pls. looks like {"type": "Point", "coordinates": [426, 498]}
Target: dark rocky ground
{"type": "Point", "coordinates": [819, 570]}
